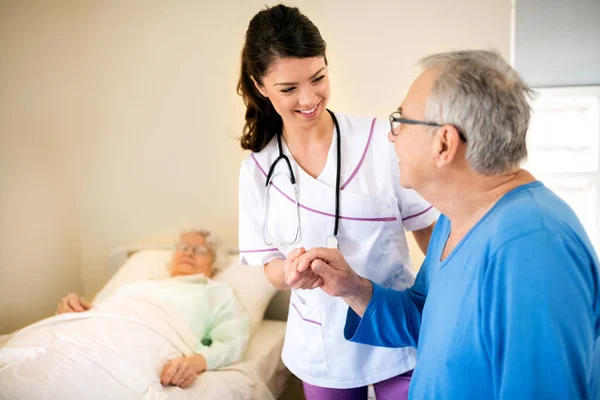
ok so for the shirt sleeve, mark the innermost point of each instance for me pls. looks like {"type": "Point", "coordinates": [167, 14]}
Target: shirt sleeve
{"type": "Point", "coordinates": [416, 213]}
{"type": "Point", "coordinates": [253, 250]}
{"type": "Point", "coordinates": [537, 296]}
{"type": "Point", "coordinates": [228, 335]}
{"type": "Point", "coordinates": [392, 318]}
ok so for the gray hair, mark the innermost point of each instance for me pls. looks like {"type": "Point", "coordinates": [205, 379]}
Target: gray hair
{"type": "Point", "coordinates": [213, 242]}
{"type": "Point", "coordinates": [485, 98]}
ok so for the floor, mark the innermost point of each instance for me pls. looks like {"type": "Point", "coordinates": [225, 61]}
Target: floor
{"type": "Point", "coordinates": [294, 390]}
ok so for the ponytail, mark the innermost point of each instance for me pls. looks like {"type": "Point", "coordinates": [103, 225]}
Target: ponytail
{"type": "Point", "coordinates": [262, 121]}
{"type": "Point", "coordinates": [275, 32]}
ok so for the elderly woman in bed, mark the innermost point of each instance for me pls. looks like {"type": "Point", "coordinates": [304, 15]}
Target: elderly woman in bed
{"type": "Point", "coordinates": [209, 307]}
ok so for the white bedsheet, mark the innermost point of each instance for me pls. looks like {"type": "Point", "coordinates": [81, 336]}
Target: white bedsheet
{"type": "Point", "coordinates": [264, 356]}
{"type": "Point", "coordinates": [113, 352]}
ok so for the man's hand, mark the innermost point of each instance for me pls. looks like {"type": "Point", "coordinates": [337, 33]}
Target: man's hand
{"type": "Point", "coordinates": [72, 303]}
{"type": "Point", "coordinates": [296, 279]}
{"type": "Point", "coordinates": [338, 279]}
{"type": "Point", "coordinates": [183, 371]}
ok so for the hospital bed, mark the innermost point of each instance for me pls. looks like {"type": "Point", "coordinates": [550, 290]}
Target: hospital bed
{"type": "Point", "coordinates": [259, 375]}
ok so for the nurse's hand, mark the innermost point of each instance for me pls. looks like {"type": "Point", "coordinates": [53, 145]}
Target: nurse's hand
{"type": "Point", "coordinates": [338, 278]}
{"type": "Point", "coordinates": [72, 303]}
{"type": "Point", "coordinates": [306, 279]}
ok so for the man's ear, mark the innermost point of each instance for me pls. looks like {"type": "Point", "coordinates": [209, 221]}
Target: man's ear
{"type": "Point", "coordinates": [446, 144]}
{"type": "Point", "coordinates": [259, 87]}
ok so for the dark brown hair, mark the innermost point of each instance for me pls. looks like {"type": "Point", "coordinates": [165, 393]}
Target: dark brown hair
{"type": "Point", "coordinates": [276, 32]}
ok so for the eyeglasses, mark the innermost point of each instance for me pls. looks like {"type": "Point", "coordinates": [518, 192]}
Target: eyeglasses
{"type": "Point", "coordinates": [196, 250]}
{"type": "Point", "coordinates": [396, 119]}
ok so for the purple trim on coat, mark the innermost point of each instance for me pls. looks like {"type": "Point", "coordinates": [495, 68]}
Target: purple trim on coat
{"type": "Point", "coordinates": [305, 319]}
{"type": "Point", "coordinates": [417, 214]}
{"type": "Point", "coordinates": [385, 219]}
{"type": "Point", "coordinates": [362, 158]}
{"type": "Point", "coordinates": [258, 250]}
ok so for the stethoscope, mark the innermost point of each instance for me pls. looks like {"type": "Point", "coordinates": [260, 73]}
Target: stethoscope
{"type": "Point", "coordinates": [331, 240]}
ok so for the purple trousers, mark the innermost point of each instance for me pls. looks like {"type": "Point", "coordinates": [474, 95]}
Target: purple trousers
{"type": "Point", "coordinates": [395, 388]}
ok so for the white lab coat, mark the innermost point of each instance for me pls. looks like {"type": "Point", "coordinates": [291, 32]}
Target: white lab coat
{"type": "Point", "coordinates": [374, 209]}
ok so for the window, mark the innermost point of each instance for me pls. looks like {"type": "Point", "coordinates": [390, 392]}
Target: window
{"type": "Point", "coordinates": [564, 152]}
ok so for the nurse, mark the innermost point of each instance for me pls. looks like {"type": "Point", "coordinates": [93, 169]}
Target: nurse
{"type": "Point", "coordinates": [317, 178]}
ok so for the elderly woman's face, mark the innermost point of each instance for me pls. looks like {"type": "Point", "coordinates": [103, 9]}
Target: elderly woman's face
{"type": "Point", "coordinates": [192, 256]}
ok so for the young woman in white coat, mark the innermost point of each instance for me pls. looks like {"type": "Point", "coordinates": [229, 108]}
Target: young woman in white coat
{"type": "Point", "coordinates": [316, 178]}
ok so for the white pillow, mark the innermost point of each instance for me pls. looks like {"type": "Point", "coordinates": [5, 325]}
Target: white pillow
{"type": "Point", "coordinates": [252, 288]}
{"type": "Point", "coordinates": [142, 265]}
{"type": "Point", "coordinates": [249, 282]}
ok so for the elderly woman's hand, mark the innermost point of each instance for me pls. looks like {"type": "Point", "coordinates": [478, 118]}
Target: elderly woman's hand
{"type": "Point", "coordinates": [72, 303]}
{"type": "Point", "coordinates": [183, 371]}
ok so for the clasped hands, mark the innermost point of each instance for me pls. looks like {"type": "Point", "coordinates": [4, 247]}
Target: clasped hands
{"type": "Point", "coordinates": [319, 267]}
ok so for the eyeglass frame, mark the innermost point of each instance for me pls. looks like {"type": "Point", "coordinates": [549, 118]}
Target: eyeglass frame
{"type": "Point", "coordinates": [393, 118]}
{"type": "Point", "coordinates": [182, 247]}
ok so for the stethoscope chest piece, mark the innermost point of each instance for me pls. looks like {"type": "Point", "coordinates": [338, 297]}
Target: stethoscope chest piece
{"type": "Point", "coordinates": [331, 242]}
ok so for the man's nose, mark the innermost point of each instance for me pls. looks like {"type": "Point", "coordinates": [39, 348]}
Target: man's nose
{"type": "Point", "coordinates": [391, 137]}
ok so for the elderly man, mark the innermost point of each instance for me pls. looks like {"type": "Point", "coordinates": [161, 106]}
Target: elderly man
{"type": "Point", "coordinates": [506, 304]}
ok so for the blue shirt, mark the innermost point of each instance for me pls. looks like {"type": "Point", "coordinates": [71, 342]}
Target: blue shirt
{"type": "Point", "coordinates": [511, 313]}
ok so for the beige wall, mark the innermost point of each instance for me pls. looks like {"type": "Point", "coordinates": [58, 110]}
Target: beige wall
{"type": "Point", "coordinates": [39, 221]}
{"type": "Point", "coordinates": [143, 116]}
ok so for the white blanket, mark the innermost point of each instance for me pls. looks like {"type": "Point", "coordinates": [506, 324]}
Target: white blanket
{"type": "Point", "coordinates": [116, 350]}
